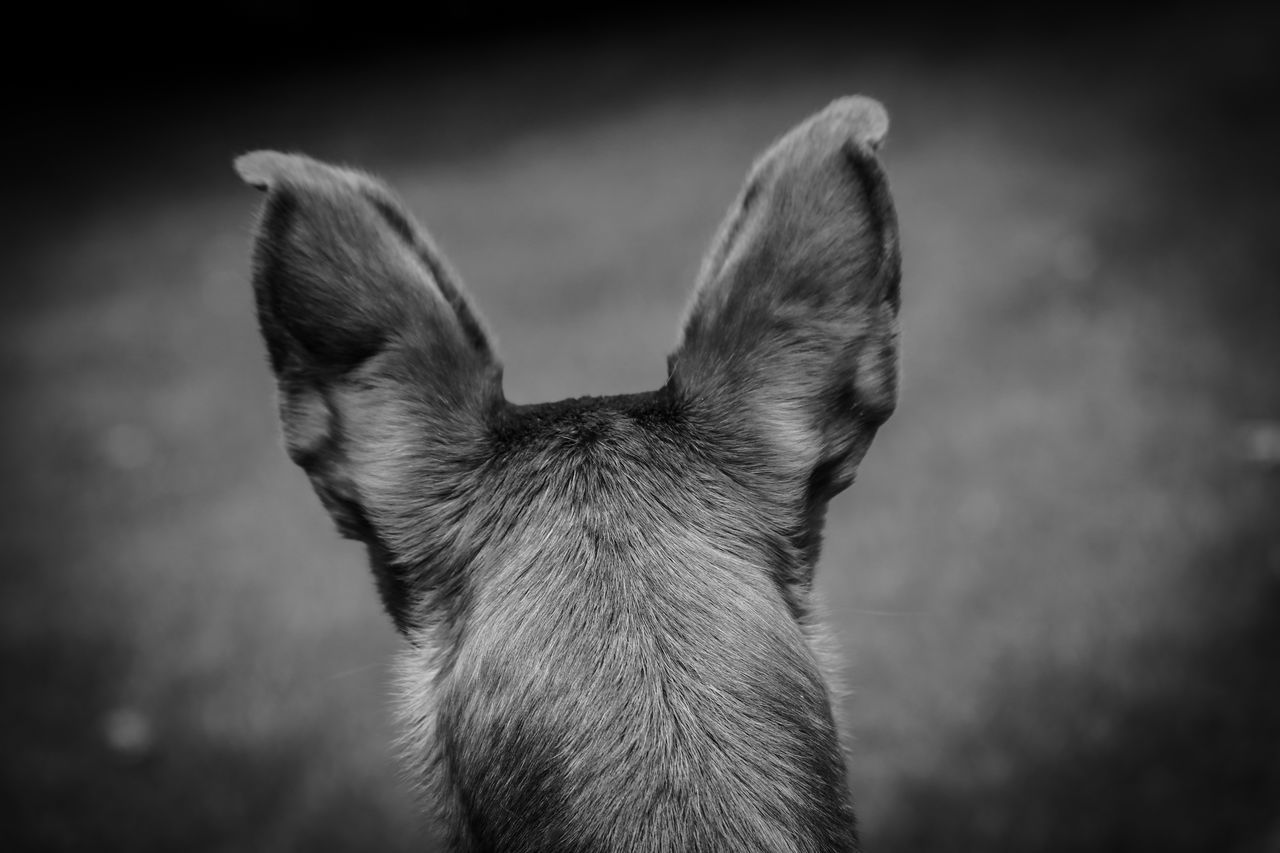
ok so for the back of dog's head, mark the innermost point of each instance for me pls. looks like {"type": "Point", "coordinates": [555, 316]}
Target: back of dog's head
{"type": "Point", "coordinates": [606, 600]}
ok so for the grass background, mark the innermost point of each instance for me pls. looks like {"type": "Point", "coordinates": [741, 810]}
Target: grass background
{"type": "Point", "coordinates": [1056, 583]}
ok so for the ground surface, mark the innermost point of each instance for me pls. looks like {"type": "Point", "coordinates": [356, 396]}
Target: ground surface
{"type": "Point", "coordinates": [1056, 583]}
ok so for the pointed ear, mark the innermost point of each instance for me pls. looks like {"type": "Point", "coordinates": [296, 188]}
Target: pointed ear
{"type": "Point", "coordinates": [792, 331]}
{"type": "Point", "coordinates": [384, 368]}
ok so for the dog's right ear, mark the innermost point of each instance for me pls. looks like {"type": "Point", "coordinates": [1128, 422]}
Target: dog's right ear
{"type": "Point", "coordinates": [791, 336]}
{"type": "Point", "coordinates": [386, 374]}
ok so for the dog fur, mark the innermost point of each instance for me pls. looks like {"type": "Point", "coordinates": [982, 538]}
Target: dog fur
{"type": "Point", "coordinates": [610, 642]}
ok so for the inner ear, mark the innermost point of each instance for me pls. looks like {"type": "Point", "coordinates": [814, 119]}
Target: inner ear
{"type": "Point", "coordinates": [343, 270]}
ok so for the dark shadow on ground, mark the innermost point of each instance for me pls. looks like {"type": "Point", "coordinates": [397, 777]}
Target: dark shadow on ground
{"type": "Point", "coordinates": [1066, 761]}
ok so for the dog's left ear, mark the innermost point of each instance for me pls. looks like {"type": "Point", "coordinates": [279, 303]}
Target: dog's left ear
{"type": "Point", "coordinates": [386, 374]}
{"type": "Point", "coordinates": [791, 335]}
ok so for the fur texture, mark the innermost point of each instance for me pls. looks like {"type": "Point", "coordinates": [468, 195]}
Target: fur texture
{"type": "Point", "coordinates": [606, 601]}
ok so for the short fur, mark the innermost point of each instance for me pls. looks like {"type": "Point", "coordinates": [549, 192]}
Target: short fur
{"type": "Point", "coordinates": [606, 601]}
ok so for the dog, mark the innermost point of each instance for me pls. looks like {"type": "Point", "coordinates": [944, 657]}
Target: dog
{"type": "Point", "coordinates": [606, 601]}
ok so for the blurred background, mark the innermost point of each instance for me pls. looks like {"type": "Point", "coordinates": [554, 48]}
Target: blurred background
{"type": "Point", "coordinates": [1056, 584]}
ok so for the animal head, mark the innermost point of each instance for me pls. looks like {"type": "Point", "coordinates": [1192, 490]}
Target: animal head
{"type": "Point", "coordinates": [616, 548]}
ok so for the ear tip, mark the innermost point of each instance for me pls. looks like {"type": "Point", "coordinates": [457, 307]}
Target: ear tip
{"type": "Point", "coordinates": [261, 169]}
{"type": "Point", "coordinates": [864, 118]}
